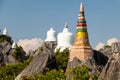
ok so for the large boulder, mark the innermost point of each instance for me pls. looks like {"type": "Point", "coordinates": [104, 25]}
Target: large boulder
{"type": "Point", "coordinates": [112, 69]}
{"type": "Point", "coordinates": [100, 59]}
{"type": "Point", "coordinates": [106, 51]}
{"type": "Point", "coordinates": [7, 52]}
{"type": "Point", "coordinates": [43, 59]}
{"type": "Point", "coordinates": [76, 62]}
{"type": "Point", "coordinates": [115, 47]}
{"type": "Point", "coordinates": [5, 48]}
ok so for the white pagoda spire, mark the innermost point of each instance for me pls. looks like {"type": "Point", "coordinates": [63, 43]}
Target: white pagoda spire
{"type": "Point", "coordinates": [5, 31]}
{"type": "Point", "coordinates": [14, 45]}
{"type": "Point", "coordinates": [66, 25]}
{"type": "Point", "coordinates": [65, 39]}
{"type": "Point", "coordinates": [65, 30]}
{"type": "Point", "coordinates": [51, 35]}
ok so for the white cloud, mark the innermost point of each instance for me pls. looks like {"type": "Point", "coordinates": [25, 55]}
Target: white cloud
{"type": "Point", "coordinates": [109, 42]}
{"type": "Point", "coordinates": [99, 46]}
{"type": "Point", "coordinates": [112, 40]}
{"type": "Point", "coordinates": [30, 44]}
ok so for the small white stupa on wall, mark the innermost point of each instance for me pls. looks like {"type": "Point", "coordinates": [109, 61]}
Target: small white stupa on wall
{"type": "Point", "coordinates": [5, 31]}
{"type": "Point", "coordinates": [65, 39]}
{"type": "Point", "coordinates": [14, 45]}
{"type": "Point", "coordinates": [51, 35]}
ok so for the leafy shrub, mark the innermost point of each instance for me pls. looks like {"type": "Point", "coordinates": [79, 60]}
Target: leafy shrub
{"type": "Point", "coordinates": [50, 75]}
{"type": "Point", "coordinates": [9, 72]}
{"type": "Point", "coordinates": [80, 73]}
{"type": "Point", "coordinates": [18, 54]}
{"type": "Point", "coordinates": [62, 58]}
{"type": "Point", "coordinates": [5, 38]}
{"type": "Point", "coordinates": [107, 46]}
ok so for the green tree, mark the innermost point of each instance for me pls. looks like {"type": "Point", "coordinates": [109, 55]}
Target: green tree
{"type": "Point", "coordinates": [9, 72]}
{"type": "Point", "coordinates": [62, 58]}
{"type": "Point", "coordinates": [50, 75]}
{"type": "Point", "coordinates": [107, 46]}
{"type": "Point", "coordinates": [80, 73]}
{"type": "Point", "coordinates": [5, 38]}
{"type": "Point", "coordinates": [18, 54]}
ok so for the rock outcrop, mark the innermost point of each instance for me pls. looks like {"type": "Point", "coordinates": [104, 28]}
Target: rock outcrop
{"type": "Point", "coordinates": [43, 59]}
{"type": "Point", "coordinates": [6, 51]}
{"type": "Point", "coordinates": [106, 51]}
{"type": "Point", "coordinates": [112, 69]}
{"type": "Point", "coordinates": [5, 48]}
{"type": "Point", "coordinates": [100, 60]}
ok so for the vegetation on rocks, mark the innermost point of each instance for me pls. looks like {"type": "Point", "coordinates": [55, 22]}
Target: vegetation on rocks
{"type": "Point", "coordinates": [17, 54]}
{"type": "Point", "coordinates": [80, 73]}
{"type": "Point", "coordinates": [49, 75]}
{"type": "Point", "coordinates": [107, 46]}
{"type": "Point", "coordinates": [5, 38]}
{"type": "Point", "coordinates": [9, 72]}
{"type": "Point", "coordinates": [62, 58]}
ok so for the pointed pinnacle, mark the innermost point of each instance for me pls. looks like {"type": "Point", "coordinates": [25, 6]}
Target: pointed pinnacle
{"type": "Point", "coordinates": [66, 26]}
{"type": "Point", "coordinates": [81, 7]}
{"type": "Point", "coordinates": [51, 29]}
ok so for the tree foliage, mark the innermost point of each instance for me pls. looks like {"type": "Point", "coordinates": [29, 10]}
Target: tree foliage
{"type": "Point", "coordinates": [62, 58]}
{"type": "Point", "coordinates": [5, 38]}
{"type": "Point", "coordinates": [107, 46]}
{"type": "Point", "coordinates": [81, 73]}
{"type": "Point", "coordinates": [17, 54]}
{"type": "Point", "coordinates": [9, 72]}
{"type": "Point", "coordinates": [50, 75]}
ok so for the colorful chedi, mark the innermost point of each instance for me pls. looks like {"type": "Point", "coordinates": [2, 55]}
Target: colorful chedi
{"type": "Point", "coordinates": [81, 47]}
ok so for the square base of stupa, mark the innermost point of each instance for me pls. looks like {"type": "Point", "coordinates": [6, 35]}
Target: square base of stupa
{"type": "Point", "coordinates": [80, 52]}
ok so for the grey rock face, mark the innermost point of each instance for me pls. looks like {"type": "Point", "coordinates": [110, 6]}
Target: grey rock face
{"type": "Point", "coordinates": [43, 59]}
{"type": "Point", "coordinates": [112, 69]}
{"type": "Point", "coordinates": [99, 58]}
{"type": "Point", "coordinates": [115, 47]}
{"type": "Point", "coordinates": [107, 52]}
{"type": "Point", "coordinates": [5, 48]}
{"type": "Point", "coordinates": [72, 64]}
{"type": "Point", "coordinates": [1, 59]}
{"type": "Point", "coordinates": [6, 51]}
{"type": "Point", "coordinates": [75, 62]}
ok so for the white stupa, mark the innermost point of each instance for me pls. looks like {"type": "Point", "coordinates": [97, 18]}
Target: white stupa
{"type": "Point", "coordinates": [5, 31]}
{"type": "Point", "coordinates": [65, 39]}
{"type": "Point", "coordinates": [51, 35]}
{"type": "Point", "coordinates": [14, 45]}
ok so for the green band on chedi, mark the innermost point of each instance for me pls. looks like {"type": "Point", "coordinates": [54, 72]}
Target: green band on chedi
{"type": "Point", "coordinates": [82, 30]}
